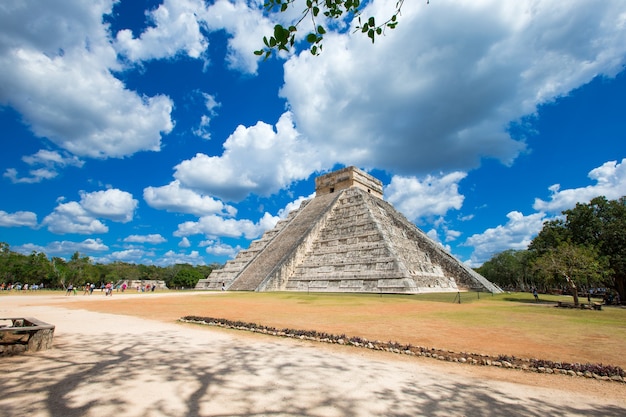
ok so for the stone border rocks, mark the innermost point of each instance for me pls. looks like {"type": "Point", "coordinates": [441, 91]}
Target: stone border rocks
{"type": "Point", "coordinates": [595, 371]}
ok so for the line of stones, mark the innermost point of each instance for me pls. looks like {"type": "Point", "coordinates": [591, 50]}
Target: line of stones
{"type": "Point", "coordinates": [608, 373]}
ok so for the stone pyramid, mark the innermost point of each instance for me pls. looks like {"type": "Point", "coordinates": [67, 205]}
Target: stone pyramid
{"type": "Point", "coordinates": [346, 239]}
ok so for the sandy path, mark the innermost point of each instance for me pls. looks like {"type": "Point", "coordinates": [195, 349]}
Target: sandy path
{"type": "Point", "coordinates": [113, 365]}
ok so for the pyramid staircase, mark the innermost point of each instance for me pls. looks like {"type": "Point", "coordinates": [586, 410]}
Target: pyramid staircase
{"type": "Point", "coordinates": [346, 239]}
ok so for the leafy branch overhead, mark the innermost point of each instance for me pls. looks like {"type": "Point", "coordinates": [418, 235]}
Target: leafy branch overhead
{"type": "Point", "coordinates": [284, 38]}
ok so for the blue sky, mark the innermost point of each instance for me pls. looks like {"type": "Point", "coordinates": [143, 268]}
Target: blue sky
{"type": "Point", "coordinates": [149, 132]}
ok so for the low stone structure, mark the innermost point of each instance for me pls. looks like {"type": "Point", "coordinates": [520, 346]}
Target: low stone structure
{"type": "Point", "coordinates": [24, 334]}
{"type": "Point", "coordinates": [346, 239]}
{"type": "Point", "coordinates": [133, 284]}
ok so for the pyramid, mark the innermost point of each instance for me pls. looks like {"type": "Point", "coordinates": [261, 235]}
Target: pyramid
{"type": "Point", "coordinates": [346, 239]}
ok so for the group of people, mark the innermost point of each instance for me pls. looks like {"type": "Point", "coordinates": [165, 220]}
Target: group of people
{"type": "Point", "coordinates": [89, 287]}
{"type": "Point", "coordinates": [19, 287]}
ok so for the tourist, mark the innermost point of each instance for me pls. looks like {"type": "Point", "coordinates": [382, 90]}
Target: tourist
{"type": "Point", "coordinates": [535, 294]}
{"type": "Point", "coordinates": [86, 289]}
{"type": "Point", "coordinates": [70, 288]}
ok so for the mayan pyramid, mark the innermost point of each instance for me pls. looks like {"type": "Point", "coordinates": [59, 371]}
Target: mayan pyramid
{"type": "Point", "coordinates": [346, 239]}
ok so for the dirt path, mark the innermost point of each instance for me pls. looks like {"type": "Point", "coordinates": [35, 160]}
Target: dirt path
{"type": "Point", "coordinates": [124, 365]}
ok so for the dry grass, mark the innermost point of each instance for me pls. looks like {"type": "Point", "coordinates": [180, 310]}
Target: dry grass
{"type": "Point", "coordinates": [509, 324]}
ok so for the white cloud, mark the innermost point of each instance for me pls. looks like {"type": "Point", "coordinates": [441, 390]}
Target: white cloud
{"type": "Point", "coordinates": [178, 27]}
{"type": "Point", "coordinates": [152, 238]}
{"type": "Point", "coordinates": [113, 204]}
{"type": "Point", "coordinates": [174, 198]}
{"type": "Point", "coordinates": [246, 27]}
{"type": "Point", "coordinates": [517, 233]}
{"type": "Point", "coordinates": [52, 158]}
{"type": "Point", "coordinates": [82, 217]}
{"type": "Point", "coordinates": [50, 162]}
{"type": "Point", "coordinates": [294, 205]}
{"type": "Point", "coordinates": [610, 180]}
{"type": "Point", "coordinates": [173, 258]}
{"type": "Point", "coordinates": [55, 68]}
{"type": "Point", "coordinates": [256, 160]}
{"type": "Point", "coordinates": [184, 243]}
{"type": "Point", "coordinates": [222, 249]}
{"type": "Point", "coordinates": [215, 227]}
{"type": "Point", "coordinates": [174, 29]}
{"type": "Point", "coordinates": [438, 92]}
{"type": "Point", "coordinates": [64, 248]}
{"type": "Point", "coordinates": [17, 219]}
{"type": "Point", "coordinates": [432, 196]}
{"type": "Point", "coordinates": [211, 105]}
{"type": "Point", "coordinates": [73, 218]}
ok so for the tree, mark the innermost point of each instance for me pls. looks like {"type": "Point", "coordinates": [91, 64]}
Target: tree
{"type": "Point", "coordinates": [187, 278]}
{"type": "Point", "coordinates": [336, 11]}
{"type": "Point", "coordinates": [508, 269]}
{"type": "Point", "coordinates": [576, 265]}
{"type": "Point", "coordinates": [600, 224]}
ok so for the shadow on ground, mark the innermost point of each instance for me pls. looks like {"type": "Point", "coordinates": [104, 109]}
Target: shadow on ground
{"type": "Point", "coordinates": [158, 374]}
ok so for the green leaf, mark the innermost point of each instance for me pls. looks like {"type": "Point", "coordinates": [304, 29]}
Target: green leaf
{"type": "Point", "coordinates": [311, 38]}
{"type": "Point", "coordinates": [321, 30]}
{"type": "Point", "coordinates": [314, 50]}
{"type": "Point", "coordinates": [316, 10]}
{"type": "Point", "coordinates": [259, 52]}
{"type": "Point", "coordinates": [371, 21]}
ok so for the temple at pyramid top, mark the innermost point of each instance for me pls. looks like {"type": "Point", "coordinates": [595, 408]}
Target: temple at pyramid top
{"type": "Point", "coordinates": [346, 239]}
{"type": "Point", "coordinates": [346, 178]}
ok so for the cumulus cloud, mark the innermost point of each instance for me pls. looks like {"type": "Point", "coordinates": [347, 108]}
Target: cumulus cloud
{"type": "Point", "coordinates": [293, 205]}
{"type": "Point", "coordinates": [55, 70]}
{"type": "Point", "coordinates": [610, 180]}
{"type": "Point", "coordinates": [82, 217]}
{"type": "Point", "coordinates": [174, 198]}
{"type": "Point", "coordinates": [152, 238]}
{"type": "Point", "coordinates": [73, 218]}
{"type": "Point", "coordinates": [174, 28]}
{"type": "Point", "coordinates": [211, 105]}
{"type": "Point", "coordinates": [174, 258]}
{"type": "Point", "coordinates": [49, 163]}
{"type": "Point", "coordinates": [113, 204]}
{"type": "Point", "coordinates": [439, 92]}
{"type": "Point", "coordinates": [64, 247]}
{"type": "Point", "coordinates": [17, 219]}
{"type": "Point", "coordinates": [246, 26]}
{"type": "Point", "coordinates": [517, 233]}
{"type": "Point", "coordinates": [520, 229]}
{"type": "Point", "coordinates": [432, 196]}
{"type": "Point", "coordinates": [256, 160]}
{"type": "Point", "coordinates": [222, 249]}
{"type": "Point", "coordinates": [179, 26]}
{"type": "Point", "coordinates": [215, 227]}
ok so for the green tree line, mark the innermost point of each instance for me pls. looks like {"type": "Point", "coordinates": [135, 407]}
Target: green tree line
{"type": "Point", "coordinates": [582, 251]}
{"type": "Point", "coordinates": [55, 272]}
